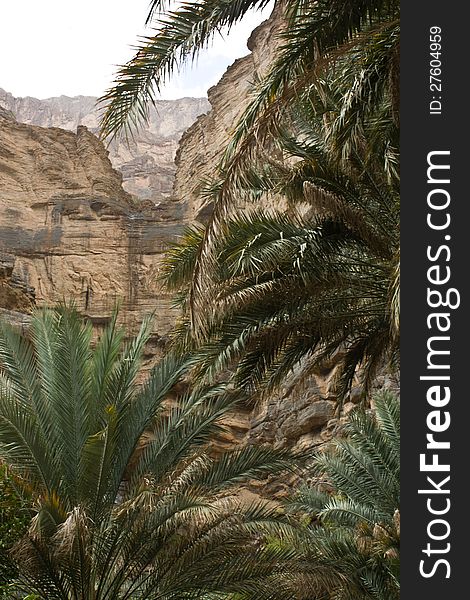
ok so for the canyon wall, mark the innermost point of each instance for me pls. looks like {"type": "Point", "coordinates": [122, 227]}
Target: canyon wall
{"type": "Point", "coordinates": [147, 162]}
{"type": "Point", "coordinates": [202, 145]}
{"type": "Point", "coordinates": [69, 231]}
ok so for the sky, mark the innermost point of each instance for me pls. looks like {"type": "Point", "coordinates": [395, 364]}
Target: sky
{"type": "Point", "coordinates": [71, 47]}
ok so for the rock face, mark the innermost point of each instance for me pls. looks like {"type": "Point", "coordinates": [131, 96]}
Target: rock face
{"type": "Point", "coordinates": [202, 145]}
{"type": "Point", "coordinates": [68, 230]}
{"type": "Point", "coordinates": [147, 162]}
{"type": "Point", "coordinates": [303, 413]}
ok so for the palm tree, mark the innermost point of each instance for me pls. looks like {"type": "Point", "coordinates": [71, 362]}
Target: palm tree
{"type": "Point", "coordinates": [129, 499]}
{"type": "Point", "coordinates": [301, 285]}
{"type": "Point", "coordinates": [354, 529]}
{"type": "Point", "coordinates": [339, 57]}
{"type": "Point", "coordinates": [317, 33]}
{"type": "Point", "coordinates": [345, 542]}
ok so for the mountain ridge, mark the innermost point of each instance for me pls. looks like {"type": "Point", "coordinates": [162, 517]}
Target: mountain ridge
{"type": "Point", "coordinates": [146, 162]}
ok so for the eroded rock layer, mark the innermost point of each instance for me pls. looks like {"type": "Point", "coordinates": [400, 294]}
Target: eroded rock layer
{"type": "Point", "coordinates": [203, 144]}
{"type": "Point", "coordinates": [69, 231]}
{"type": "Point", "coordinates": [147, 161]}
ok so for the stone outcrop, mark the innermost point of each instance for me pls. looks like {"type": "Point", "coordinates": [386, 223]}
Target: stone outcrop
{"type": "Point", "coordinates": [146, 162]}
{"type": "Point", "coordinates": [69, 231]}
{"type": "Point", "coordinates": [202, 145]}
{"type": "Point", "coordinates": [15, 294]}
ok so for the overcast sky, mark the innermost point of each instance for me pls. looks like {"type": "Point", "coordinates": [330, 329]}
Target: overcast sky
{"type": "Point", "coordinates": [70, 47]}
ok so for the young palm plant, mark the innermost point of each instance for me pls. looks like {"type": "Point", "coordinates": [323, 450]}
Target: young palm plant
{"type": "Point", "coordinates": [130, 502]}
{"type": "Point", "coordinates": [354, 530]}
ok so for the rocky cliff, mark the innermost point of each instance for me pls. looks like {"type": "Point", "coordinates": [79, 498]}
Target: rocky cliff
{"type": "Point", "coordinates": [147, 162]}
{"type": "Point", "coordinates": [303, 412]}
{"type": "Point", "coordinates": [202, 145]}
{"type": "Point", "coordinates": [69, 231]}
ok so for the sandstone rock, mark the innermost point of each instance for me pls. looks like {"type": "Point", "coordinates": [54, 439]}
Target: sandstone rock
{"type": "Point", "coordinates": [13, 297]}
{"type": "Point", "coordinates": [310, 418]}
{"type": "Point", "coordinates": [7, 263]}
{"type": "Point", "coordinates": [15, 294]}
{"type": "Point", "coordinates": [236, 425]}
{"type": "Point", "coordinates": [308, 441]}
{"type": "Point", "coordinates": [72, 233]}
{"type": "Point", "coordinates": [146, 162]}
{"type": "Point", "coordinates": [15, 318]}
{"type": "Point", "coordinates": [6, 114]}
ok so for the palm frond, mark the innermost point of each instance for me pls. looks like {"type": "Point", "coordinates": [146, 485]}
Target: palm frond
{"type": "Point", "coordinates": [180, 36]}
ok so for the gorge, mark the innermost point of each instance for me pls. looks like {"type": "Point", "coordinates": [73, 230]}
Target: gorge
{"type": "Point", "coordinates": [89, 225]}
